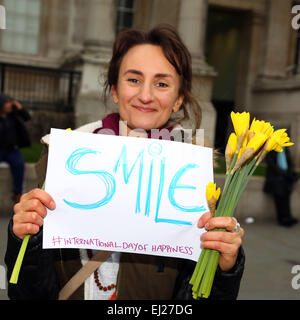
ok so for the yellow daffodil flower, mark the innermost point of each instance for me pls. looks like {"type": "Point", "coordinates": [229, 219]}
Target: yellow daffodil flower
{"type": "Point", "coordinates": [250, 149]}
{"type": "Point", "coordinates": [240, 123]}
{"type": "Point", "coordinates": [212, 191]}
{"type": "Point", "coordinates": [212, 196]}
{"type": "Point", "coordinates": [260, 126]}
{"type": "Point", "coordinates": [276, 142]}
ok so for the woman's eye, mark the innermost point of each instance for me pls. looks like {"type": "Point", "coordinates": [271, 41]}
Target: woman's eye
{"type": "Point", "coordinates": [133, 80]}
{"type": "Point", "coordinates": [162, 85]}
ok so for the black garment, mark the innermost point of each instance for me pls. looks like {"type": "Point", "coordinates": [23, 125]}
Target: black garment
{"type": "Point", "coordinates": [279, 183]}
{"type": "Point", "coordinates": [13, 132]}
{"type": "Point", "coordinates": [38, 279]}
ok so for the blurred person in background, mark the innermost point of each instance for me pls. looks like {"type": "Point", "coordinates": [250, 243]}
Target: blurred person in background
{"type": "Point", "coordinates": [13, 135]}
{"type": "Point", "coordinates": [280, 179]}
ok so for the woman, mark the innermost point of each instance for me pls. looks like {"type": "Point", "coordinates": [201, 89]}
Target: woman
{"type": "Point", "coordinates": [149, 76]}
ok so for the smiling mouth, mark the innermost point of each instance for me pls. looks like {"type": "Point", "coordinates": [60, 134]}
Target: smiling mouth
{"type": "Point", "coordinates": [144, 109]}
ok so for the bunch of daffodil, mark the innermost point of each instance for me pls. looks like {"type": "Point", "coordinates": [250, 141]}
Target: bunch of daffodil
{"type": "Point", "coordinates": [246, 148]}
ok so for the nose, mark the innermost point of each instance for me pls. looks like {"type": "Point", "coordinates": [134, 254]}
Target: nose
{"type": "Point", "coordinates": [146, 93]}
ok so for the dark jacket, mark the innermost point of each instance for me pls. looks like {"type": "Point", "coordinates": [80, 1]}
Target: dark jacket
{"type": "Point", "coordinates": [140, 277]}
{"type": "Point", "coordinates": [279, 182]}
{"type": "Point", "coordinates": [147, 277]}
{"type": "Point", "coordinates": [13, 132]}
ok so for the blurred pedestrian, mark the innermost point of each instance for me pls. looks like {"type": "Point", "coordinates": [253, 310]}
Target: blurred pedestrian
{"type": "Point", "coordinates": [280, 179]}
{"type": "Point", "coordinates": [13, 135]}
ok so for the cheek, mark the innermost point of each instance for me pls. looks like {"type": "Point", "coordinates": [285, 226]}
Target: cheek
{"type": "Point", "coordinates": [125, 95]}
{"type": "Point", "coordinates": [168, 101]}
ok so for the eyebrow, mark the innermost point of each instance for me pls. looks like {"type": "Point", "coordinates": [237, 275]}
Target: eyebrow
{"type": "Point", "coordinates": [157, 75]}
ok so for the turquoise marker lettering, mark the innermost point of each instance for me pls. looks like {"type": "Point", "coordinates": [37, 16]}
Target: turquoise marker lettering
{"type": "Point", "coordinates": [147, 208]}
{"type": "Point", "coordinates": [174, 185]}
{"type": "Point", "coordinates": [126, 175]}
{"type": "Point", "coordinates": [104, 176]}
{"type": "Point", "coordinates": [154, 150]}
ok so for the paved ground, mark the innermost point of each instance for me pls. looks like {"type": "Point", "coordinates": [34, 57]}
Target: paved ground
{"type": "Point", "coordinates": [271, 252]}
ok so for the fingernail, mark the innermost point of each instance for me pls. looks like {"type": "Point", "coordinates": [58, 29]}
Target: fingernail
{"type": "Point", "coordinates": [207, 225]}
{"type": "Point", "coordinates": [52, 205]}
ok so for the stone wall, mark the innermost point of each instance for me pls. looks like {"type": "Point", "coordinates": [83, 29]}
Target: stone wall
{"type": "Point", "coordinates": [253, 203]}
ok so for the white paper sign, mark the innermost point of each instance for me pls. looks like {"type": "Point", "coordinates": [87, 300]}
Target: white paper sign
{"type": "Point", "coordinates": [126, 194]}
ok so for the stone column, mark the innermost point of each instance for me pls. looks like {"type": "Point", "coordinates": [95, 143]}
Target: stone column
{"type": "Point", "coordinates": [192, 27]}
{"type": "Point", "coordinates": [277, 39]}
{"type": "Point", "coordinates": [96, 53]}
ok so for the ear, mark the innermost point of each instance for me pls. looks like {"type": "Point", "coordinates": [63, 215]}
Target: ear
{"type": "Point", "coordinates": [114, 94]}
{"type": "Point", "coordinates": [178, 103]}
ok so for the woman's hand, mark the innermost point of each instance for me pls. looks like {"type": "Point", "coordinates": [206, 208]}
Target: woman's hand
{"type": "Point", "coordinates": [227, 243]}
{"type": "Point", "coordinates": [30, 212]}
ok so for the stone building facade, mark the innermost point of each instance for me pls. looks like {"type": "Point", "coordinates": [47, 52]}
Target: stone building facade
{"type": "Point", "coordinates": [254, 64]}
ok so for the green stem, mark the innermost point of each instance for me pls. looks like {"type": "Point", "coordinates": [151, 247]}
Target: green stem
{"type": "Point", "coordinates": [15, 274]}
{"type": "Point", "coordinates": [225, 198]}
{"type": "Point", "coordinates": [214, 260]}
{"type": "Point", "coordinates": [195, 273]}
{"type": "Point", "coordinates": [230, 205]}
{"type": "Point", "coordinates": [18, 264]}
{"type": "Point", "coordinates": [247, 172]}
{"type": "Point", "coordinates": [202, 270]}
{"type": "Point", "coordinates": [208, 276]}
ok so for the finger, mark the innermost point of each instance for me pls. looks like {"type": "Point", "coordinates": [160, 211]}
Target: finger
{"type": "Point", "coordinates": [223, 247]}
{"type": "Point", "coordinates": [28, 217]}
{"type": "Point", "coordinates": [21, 230]}
{"type": "Point", "coordinates": [204, 219]}
{"type": "Point", "coordinates": [41, 195]}
{"type": "Point", "coordinates": [32, 205]}
{"type": "Point", "coordinates": [228, 237]}
{"type": "Point", "coordinates": [228, 223]}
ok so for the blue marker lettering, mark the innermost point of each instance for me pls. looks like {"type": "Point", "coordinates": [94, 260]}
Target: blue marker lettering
{"type": "Point", "coordinates": [147, 209]}
{"type": "Point", "coordinates": [104, 176]}
{"type": "Point", "coordinates": [159, 195]}
{"type": "Point", "coordinates": [126, 175]}
{"type": "Point", "coordinates": [174, 185]}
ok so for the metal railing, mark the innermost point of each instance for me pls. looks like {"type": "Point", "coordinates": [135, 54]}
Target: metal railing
{"type": "Point", "coordinates": [39, 88]}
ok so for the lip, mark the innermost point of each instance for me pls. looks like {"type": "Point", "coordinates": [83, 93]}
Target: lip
{"type": "Point", "coordinates": [144, 109]}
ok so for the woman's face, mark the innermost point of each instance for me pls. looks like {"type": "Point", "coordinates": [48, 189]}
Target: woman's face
{"type": "Point", "coordinates": [147, 89]}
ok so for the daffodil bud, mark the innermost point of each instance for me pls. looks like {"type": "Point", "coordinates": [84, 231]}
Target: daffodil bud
{"type": "Point", "coordinates": [212, 196]}
{"type": "Point", "coordinates": [230, 150]}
